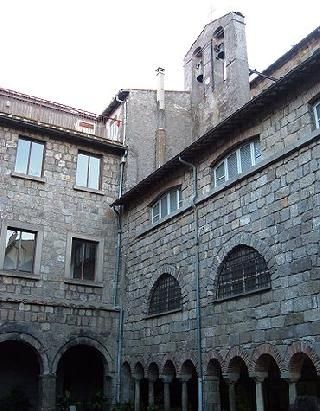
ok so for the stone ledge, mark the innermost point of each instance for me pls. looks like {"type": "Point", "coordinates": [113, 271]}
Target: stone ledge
{"type": "Point", "coordinates": [57, 303]}
{"type": "Point", "coordinates": [20, 274]}
{"type": "Point", "coordinates": [28, 177]}
{"type": "Point", "coordinates": [151, 316]}
{"type": "Point", "coordinates": [82, 283]}
{"type": "Point", "coordinates": [88, 190]}
{"type": "Point", "coordinates": [245, 294]}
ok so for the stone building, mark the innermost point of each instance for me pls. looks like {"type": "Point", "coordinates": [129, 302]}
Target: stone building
{"type": "Point", "coordinates": [166, 252]}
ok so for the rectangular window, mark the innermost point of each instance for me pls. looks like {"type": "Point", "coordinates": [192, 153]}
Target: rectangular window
{"type": "Point", "coordinates": [88, 171]}
{"type": "Point", "coordinates": [316, 110]}
{"type": "Point", "coordinates": [83, 259]}
{"type": "Point", "coordinates": [167, 204]}
{"type": "Point", "coordinates": [29, 157]}
{"type": "Point", "coordinates": [20, 250]}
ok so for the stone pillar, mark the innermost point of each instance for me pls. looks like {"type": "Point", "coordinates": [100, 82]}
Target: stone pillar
{"type": "Point", "coordinates": [292, 384]}
{"type": "Point", "coordinates": [232, 395]}
{"type": "Point", "coordinates": [108, 391]}
{"type": "Point", "coordinates": [137, 400]}
{"type": "Point", "coordinates": [47, 398]}
{"type": "Point", "coordinates": [184, 392]}
{"type": "Point", "coordinates": [212, 393]}
{"type": "Point", "coordinates": [166, 387]}
{"type": "Point", "coordinates": [151, 382]}
{"type": "Point", "coordinates": [259, 394]}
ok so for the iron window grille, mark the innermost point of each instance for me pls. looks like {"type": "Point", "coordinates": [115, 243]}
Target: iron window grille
{"type": "Point", "coordinates": [316, 110]}
{"type": "Point", "coordinates": [238, 161]}
{"type": "Point", "coordinates": [20, 250]}
{"type": "Point", "coordinates": [83, 259]}
{"type": "Point", "coordinates": [243, 270]}
{"type": "Point", "coordinates": [88, 171]}
{"type": "Point", "coordinates": [166, 295]}
{"type": "Point", "coordinates": [167, 204]}
{"type": "Point", "coordinates": [29, 157]}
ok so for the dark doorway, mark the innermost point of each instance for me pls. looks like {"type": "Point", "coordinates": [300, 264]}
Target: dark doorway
{"type": "Point", "coordinates": [80, 379]}
{"type": "Point", "coordinates": [19, 375]}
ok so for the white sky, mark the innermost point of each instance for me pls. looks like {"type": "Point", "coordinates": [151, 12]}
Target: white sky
{"type": "Point", "coordinates": [81, 52]}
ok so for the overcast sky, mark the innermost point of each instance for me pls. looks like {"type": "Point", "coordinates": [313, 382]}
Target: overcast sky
{"type": "Point", "coordinates": [81, 52]}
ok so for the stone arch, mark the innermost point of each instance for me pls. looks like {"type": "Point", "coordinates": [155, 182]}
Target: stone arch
{"type": "Point", "coordinates": [168, 359]}
{"type": "Point", "coordinates": [212, 357]}
{"type": "Point", "coordinates": [35, 345]}
{"type": "Point", "coordinates": [153, 371]}
{"type": "Point", "coordinates": [235, 352]}
{"type": "Point", "coordinates": [88, 341]}
{"type": "Point", "coordinates": [169, 369]}
{"type": "Point", "coordinates": [246, 239]}
{"type": "Point", "coordinates": [138, 371]}
{"type": "Point", "coordinates": [300, 347]}
{"type": "Point", "coordinates": [265, 349]}
{"type": "Point", "coordinates": [188, 357]}
{"type": "Point", "coordinates": [127, 384]}
{"type": "Point", "coordinates": [165, 269]}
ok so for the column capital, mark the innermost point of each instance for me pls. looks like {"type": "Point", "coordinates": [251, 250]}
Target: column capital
{"type": "Point", "coordinates": [137, 377]}
{"type": "Point", "coordinates": [185, 377]}
{"type": "Point", "coordinates": [167, 379]}
{"type": "Point", "coordinates": [259, 377]}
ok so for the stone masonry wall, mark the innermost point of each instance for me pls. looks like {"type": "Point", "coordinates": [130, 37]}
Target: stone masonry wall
{"type": "Point", "coordinates": [48, 306]}
{"type": "Point", "coordinates": [275, 209]}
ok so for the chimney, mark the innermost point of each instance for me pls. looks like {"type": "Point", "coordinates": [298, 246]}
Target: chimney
{"type": "Point", "coordinates": [160, 135]}
{"type": "Point", "coordinates": [160, 89]}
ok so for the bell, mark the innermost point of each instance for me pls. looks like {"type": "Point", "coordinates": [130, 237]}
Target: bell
{"type": "Point", "coordinates": [199, 72]}
{"type": "Point", "coordinates": [220, 51]}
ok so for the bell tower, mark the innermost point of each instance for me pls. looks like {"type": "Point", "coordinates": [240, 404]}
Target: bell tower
{"type": "Point", "coordinates": [217, 72]}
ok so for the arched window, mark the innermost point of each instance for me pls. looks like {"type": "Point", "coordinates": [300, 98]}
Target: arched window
{"type": "Point", "coordinates": [238, 161]}
{"type": "Point", "coordinates": [166, 295]}
{"type": "Point", "coordinates": [167, 204]}
{"type": "Point", "coordinates": [243, 270]}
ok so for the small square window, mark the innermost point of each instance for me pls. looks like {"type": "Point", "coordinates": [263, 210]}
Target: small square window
{"type": "Point", "coordinates": [83, 259]}
{"type": "Point", "coordinates": [88, 171]}
{"type": "Point", "coordinates": [29, 158]}
{"type": "Point", "coordinates": [20, 250]}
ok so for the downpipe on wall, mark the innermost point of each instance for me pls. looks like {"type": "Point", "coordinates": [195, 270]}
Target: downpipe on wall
{"type": "Point", "coordinates": [116, 299]}
{"type": "Point", "coordinates": [197, 279]}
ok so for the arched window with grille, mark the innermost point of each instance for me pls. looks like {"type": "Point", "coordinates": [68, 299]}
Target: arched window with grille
{"type": "Point", "coordinates": [244, 270]}
{"type": "Point", "coordinates": [165, 295]}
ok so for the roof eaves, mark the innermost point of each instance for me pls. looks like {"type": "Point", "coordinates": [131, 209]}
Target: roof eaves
{"type": "Point", "coordinates": [117, 100]}
{"type": "Point", "coordinates": [61, 132]}
{"type": "Point", "coordinates": [238, 117]}
{"type": "Point", "coordinates": [285, 57]}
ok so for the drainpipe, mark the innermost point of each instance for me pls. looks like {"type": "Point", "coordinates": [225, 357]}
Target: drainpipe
{"type": "Point", "coordinates": [197, 278]}
{"type": "Point", "coordinates": [116, 300]}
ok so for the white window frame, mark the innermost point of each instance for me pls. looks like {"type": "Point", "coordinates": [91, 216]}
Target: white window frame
{"type": "Point", "coordinates": [253, 158]}
{"type": "Point", "coordinates": [158, 215]}
{"type": "Point", "coordinates": [28, 171]}
{"type": "Point", "coordinates": [316, 116]}
{"type": "Point", "coordinates": [89, 155]}
{"type": "Point", "coordinates": [7, 224]}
